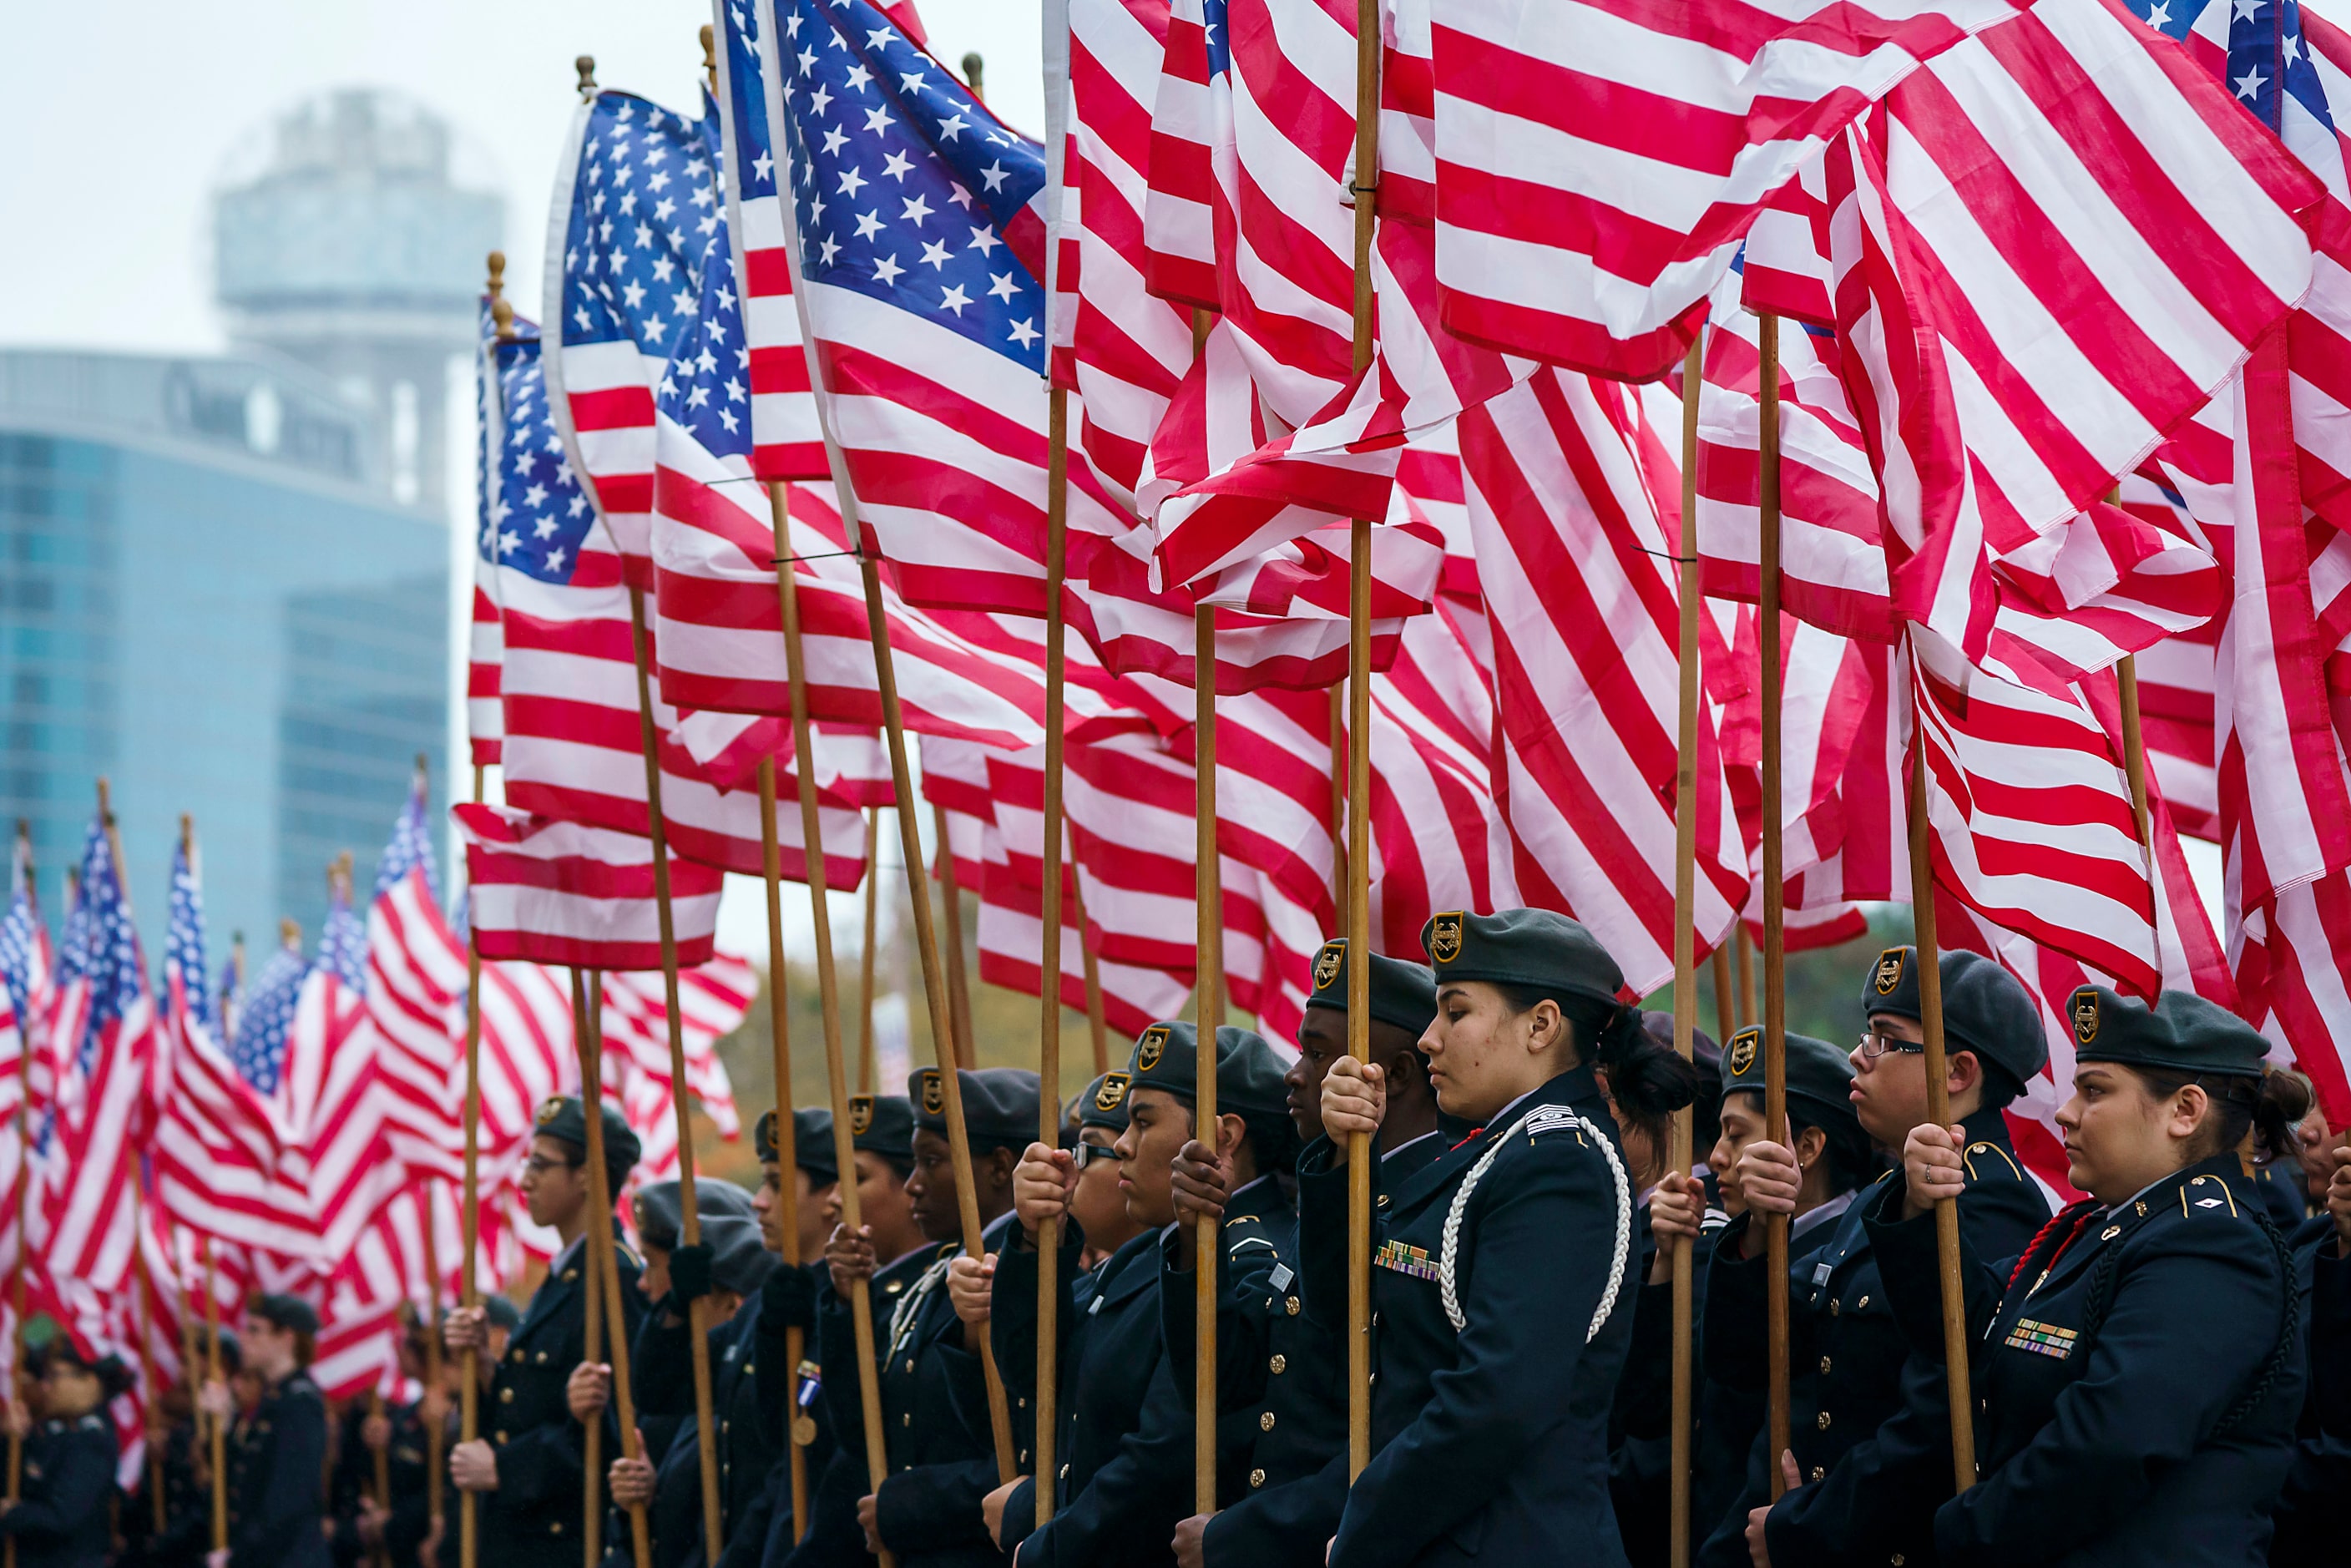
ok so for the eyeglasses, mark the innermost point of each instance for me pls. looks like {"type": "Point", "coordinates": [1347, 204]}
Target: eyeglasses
{"type": "Point", "coordinates": [1874, 1045]}
{"type": "Point", "coordinates": [1085, 1154]}
{"type": "Point", "coordinates": [538, 1166]}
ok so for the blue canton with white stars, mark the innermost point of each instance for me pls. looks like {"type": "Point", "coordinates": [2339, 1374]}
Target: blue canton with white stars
{"type": "Point", "coordinates": [342, 943]}
{"type": "Point", "coordinates": [20, 937]}
{"type": "Point", "coordinates": [705, 387]}
{"type": "Point", "coordinates": [902, 183]}
{"type": "Point", "coordinates": [110, 951]}
{"type": "Point", "coordinates": [1217, 36]}
{"type": "Point", "coordinates": [750, 158]}
{"type": "Point", "coordinates": [537, 516]}
{"type": "Point", "coordinates": [409, 849]}
{"type": "Point", "coordinates": [184, 938]}
{"type": "Point", "coordinates": [2268, 61]}
{"type": "Point", "coordinates": [73, 937]}
{"type": "Point", "coordinates": [264, 1016]}
{"type": "Point", "coordinates": [644, 212]}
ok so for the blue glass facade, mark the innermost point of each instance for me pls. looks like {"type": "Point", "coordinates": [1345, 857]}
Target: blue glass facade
{"type": "Point", "coordinates": [204, 596]}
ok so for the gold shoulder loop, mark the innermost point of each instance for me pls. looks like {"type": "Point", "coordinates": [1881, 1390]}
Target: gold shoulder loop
{"type": "Point", "coordinates": [1969, 1156]}
{"type": "Point", "coordinates": [2208, 1202]}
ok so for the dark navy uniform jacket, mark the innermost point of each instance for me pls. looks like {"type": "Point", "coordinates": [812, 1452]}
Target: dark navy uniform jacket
{"type": "Point", "coordinates": [1282, 1363]}
{"type": "Point", "coordinates": [751, 1428]}
{"type": "Point", "coordinates": [832, 1539]}
{"type": "Point", "coordinates": [276, 1463]}
{"type": "Point", "coordinates": [60, 1519]}
{"type": "Point", "coordinates": [2309, 1514]}
{"type": "Point", "coordinates": [533, 1519]}
{"type": "Point", "coordinates": [1846, 1353]}
{"type": "Point", "coordinates": [764, 1535]}
{"type": "Point", "coordinates": [187, 1532]}
{"type": "Point", "coordinates": [354, 1478]}
{"type": "Point", "coordinates": [1491, 1441]}
{"type": "Point", "coordinates": [2136, 1380]}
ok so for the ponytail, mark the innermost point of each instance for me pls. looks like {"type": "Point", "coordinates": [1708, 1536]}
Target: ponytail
{"type": "Point", "coordinates": [2268, 1106]}
{"type": "Point", "coordinates": [1648, 1079]}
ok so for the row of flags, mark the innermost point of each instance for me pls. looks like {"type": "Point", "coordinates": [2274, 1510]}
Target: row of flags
{"type": "Point", "coordinates": [301, 1131]}
{"type": "Point", "coordinates": [2059, 376]}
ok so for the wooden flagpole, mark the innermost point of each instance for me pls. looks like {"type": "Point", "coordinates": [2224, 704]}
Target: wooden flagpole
{"type": "Point", "coordinates": [1097, 1022]}
{"type": "Point", "coordinates": [1678, 1156]}
{"type": "Point", "coordinates": [142, 1283]}
{"type": "Point", "coordinates": [1939, 1111]}
{"type": "Point", "coordinates": [219, 1424]}
{"type": "Point", "coordinates": [1208, 901]}
{"type": "Point", "coordinates": [910, 842]}
{"type": "Point", "coordinates": [860, 1306]}
{"type": "Point", "coordinates": [593, 1238]}
{"type": "Point", "coordinates": [690, 1218]}
{"type": "Point", "coordinates": [434, 1496]}
{"type": "Point", "coordinates": [2134, 748]}
{"type": "Point", "coordinates": [1359, 771]}
{"type": "Point", "coordinates": [1775, 1000]}
{"type": "Point", "coordinates": [865, 956]}
{"type": "Point", "coordinates": [951, 939]}
{"type": "Point", "coordinates": [779, 1039]}
{"type": "Point", "coordinates": [16, 1286]}
{"type": "Point", "coordinates": [1048, 971]}
{"type": "Point", "coordinates": [589, 1032]}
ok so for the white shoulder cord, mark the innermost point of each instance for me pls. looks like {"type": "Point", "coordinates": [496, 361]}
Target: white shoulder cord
{"type": "Point", "coordinates": [1541, 1119]}
{"type": "Point", "coordinates": [902, 1317]}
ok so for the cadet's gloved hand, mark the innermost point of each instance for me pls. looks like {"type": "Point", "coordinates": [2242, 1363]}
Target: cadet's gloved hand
{"type": "Point", "coordinates": [788, 1300]}
{"type": "Point", "coordinates": [689, 1273]}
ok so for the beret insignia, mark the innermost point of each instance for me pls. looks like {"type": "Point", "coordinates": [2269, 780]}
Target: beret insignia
{"type": "Point", "coordinates": [861, 1115]}
{"type": "Point", "coordinates": [1150, 1047]}
{"type": "Point", "coordinates": [2084, 1010]}
{"type": "Point", "coordinates": [1445, 937]}
{"type": "Point", "coordinates": [550, 1109]}
{"type": "Point", "coordinates": [1742, 1051]}
{"type": "Point", "coordinates": [1113, 1090]}
{"type": "Point", "coordinates": [1327, 962]}
{"type": "Point", "coordinates": [934, 1093]}
{"type": "Point", "coordinates": [1889, 970]}
{"type": "Point", "coordinates": [763, 1131]}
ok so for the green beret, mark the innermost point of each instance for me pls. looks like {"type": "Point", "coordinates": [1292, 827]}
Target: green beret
{"type": "Point", "coordinates": [2181, 1033]}
{"type": "Point", "coordinates": [882, 1124]}
{"type": "Point", "coordinates": [1402, 993]}
{"type": "Point", "coordinates": [1533, 947]}
{"type": "Point", "coordinates": [1000, 1104]}
{"type": "Point", "coordinates": [1104, 1103]}
{"type": "Point", "coordinates": [1985, 1010]}
{"type": "Point", "coordinates": [561, 1118]}
{"type": "Point", "coordinates": [661, 1210]}
{"type": "Point", "coordinates": [1820, 1077]}
{"type": "Point", "coordinates": [290, 1313]}
{"type": "Point", "coordinates": [1248, 1073]}
{"type": "Point", "coordinates": [811, 1143]}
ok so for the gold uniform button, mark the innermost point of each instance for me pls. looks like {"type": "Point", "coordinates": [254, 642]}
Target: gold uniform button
{"type": "Point", "coordinates": [554, 1527]}
{"type": "Point", "coordinates": [1022, 1402]}
{"type": "Point", "coordinates": [542, 1356]}
{"type": "Point", "coordinates": [1862, 1305]}
{"type": "Point", "coordinates": [570, 1275]}
{"type": "Point", "coordinates": [748, 1369]}
{"type": "Point", "coordinates": [910, 1363]}
{"type": "Point", "coordinates": [1895, 1560]}
{"type": "Point", "coordinates": [1822, 1421]}
{"type": "Point", "coordinates": [1835, 1306]}
{"type": "Point", "coordinates": [1265, 1422]}
{"type": "Point", "coordinates": [1825, 1366]}
{"type": "Point", "coordinates": [907, 1419]}
{"type": "Point", "coordinates": [1278, 1365]}
{"type": "Point", "coordinates": [506, 1395]}
{"type": "Point", "coordinates": [501, 1436]}
{"type": "Point", "coordinates": [1290, 1306]}
{"type": "Point", "coordinates": [1819, 1473]}
{"type": "Point", "coordinates": [893, 1287]}
{"type": "Point", "coordinates": [1256, 1478]}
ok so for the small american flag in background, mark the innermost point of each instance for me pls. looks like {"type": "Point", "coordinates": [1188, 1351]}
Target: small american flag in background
{"type": "Point", "coordinates": [184, 940]}
{"type": "Point", "coordinates": [264, 1012]}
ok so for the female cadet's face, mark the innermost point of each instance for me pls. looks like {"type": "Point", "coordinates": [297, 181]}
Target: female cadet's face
{"type": "Point", "coordinates": [2120, 1135]}
{"type": "Point", "coordinates": [1742, 1123]}
{"type": "Point", "coordinates": [70, 1392]}
{"type": "Point", "coordinates": [1097, 1202]}
{"type": "Point", "coordinates": [1158, 1126]}
{"type": "Point", "coordinates": [1481, 1055]}
{"type": "Point", "coordinates": [653, 1278]}
{"type": "Point", "coordinates": [932, 1187]}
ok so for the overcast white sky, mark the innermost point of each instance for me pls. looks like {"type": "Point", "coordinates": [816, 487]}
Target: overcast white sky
{"type": "Point", "coordinates": [119, 118]}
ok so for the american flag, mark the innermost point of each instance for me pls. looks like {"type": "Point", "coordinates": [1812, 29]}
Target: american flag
{"type": "Point", "coordinates": [416, 997]}
{"type": "Point", "coordinates": [106, 1027]}
{"type": "Point", "coordinates": [264, 1011]}
{"type": "Point", "coordinates": [557, 892]}
{"type": "Point", "coordinates": [485, 652]}
{"type": "Point", "coordinates": [330, 1092]}
{"type": "Point", "coordinates": [27, 971]}
{"type": "Point", "coordinates": [218, 1147]}
{"type": "Point", "coordinates": [920, 263]}
{"type": "Point", "coordinates": [787, 443]}
{"type": "Point", "coordinates": [638, 199]}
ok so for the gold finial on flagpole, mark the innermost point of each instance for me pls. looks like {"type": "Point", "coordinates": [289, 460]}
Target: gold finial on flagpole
{"type": "Point", "coordinates": [501, 313]}
{"type": "Point", "coordinates": [710, 57]}
{"type": "Point", "coordinates": [586, 66]}
{"type": "Point", "coordinates": [974, 68]}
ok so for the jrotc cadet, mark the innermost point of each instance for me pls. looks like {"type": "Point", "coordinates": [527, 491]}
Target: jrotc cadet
{"type": "Point", "coordinates": [187, 1498]}
{"type": "Point", "coordinates": [527, 1468]}
{"type": "Point", "coordinates": [2137, 1371]}
{"type": "Point", "coordinates": [882, 1136]}
{"type": "Point", "coordinates": [1500, 1285]}
{"type": "Point", "coordinates": [1851, 1442]}
{"type": "Point", "coordinates": [61, 1519]}
{"type": "Point", "coordinates": [727, 1269]}
{"type": "Point", "coordinates": [363, 1521]}
{"type": "Point", "coordinates": [2308, 1513]}
{"type": "Point", "coordinates": [1126, 1423]}
{"type": "Point", "coordinates": [1279, 1368]}
{"type": "Point", "coordinates": [926, 1509]}
{"type": "Point", "coordinates": [1832, 1161]}
{"type": "Point", "coordinates": [277, 1452]}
